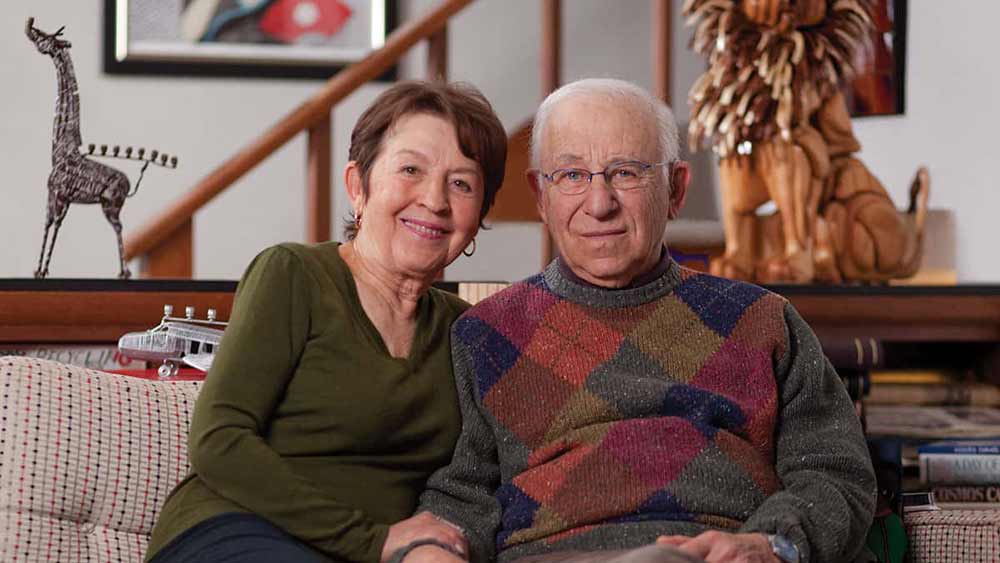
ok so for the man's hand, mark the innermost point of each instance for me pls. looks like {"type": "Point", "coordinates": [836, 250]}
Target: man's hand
{"type": "Point", "coordinates": [423, 526]}
{"type": "Point", "coordinates": [431, 554]}
{"type": "Point", "coordinates": [724, 547]}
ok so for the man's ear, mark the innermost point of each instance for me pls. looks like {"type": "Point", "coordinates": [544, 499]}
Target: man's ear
{"type": "Point", "coordinates": [680, 177]}
{"type": "Point", "coordinates": [353, 184]}
{"type": "Point", "coordinates": [534, 181]}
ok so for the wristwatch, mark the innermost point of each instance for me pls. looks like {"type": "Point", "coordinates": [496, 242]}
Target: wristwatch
{"type": "Point", "coordinates": [783, 548]}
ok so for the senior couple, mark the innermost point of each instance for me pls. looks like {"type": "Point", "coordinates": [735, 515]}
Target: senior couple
{"type": "Point", "coordinates": [614, 407]}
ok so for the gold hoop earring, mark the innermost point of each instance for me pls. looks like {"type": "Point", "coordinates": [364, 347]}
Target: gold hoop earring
{"type": "Point", "coordinates": [473, 249]}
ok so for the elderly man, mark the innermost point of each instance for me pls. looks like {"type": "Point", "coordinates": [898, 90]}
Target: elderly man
{"type": "Point", "coordinates": [617, 400]}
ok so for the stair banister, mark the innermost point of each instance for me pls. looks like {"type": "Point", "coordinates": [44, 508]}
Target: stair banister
{"type": "Point", "coordinates": [313, 114]}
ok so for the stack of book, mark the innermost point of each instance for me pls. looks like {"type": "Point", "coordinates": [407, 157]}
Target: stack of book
{"type": "Point", "coordinates": [962, 474]}
{"type": "Point", "coordinates": [936, 391]}
{"type": "Point", "coordinates": [854, 358]}
{"type": "Point", "coordinates": [934, 387]}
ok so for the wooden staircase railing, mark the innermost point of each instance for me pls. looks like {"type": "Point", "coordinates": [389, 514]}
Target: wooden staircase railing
{"type": "Point", "coordinates": [166, 241]}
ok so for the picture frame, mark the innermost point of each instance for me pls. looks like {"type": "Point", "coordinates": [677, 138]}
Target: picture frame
{"type": "Point", "coordinates": [879, 87]}
{"type": "Point", "coordinates": [230, 38]}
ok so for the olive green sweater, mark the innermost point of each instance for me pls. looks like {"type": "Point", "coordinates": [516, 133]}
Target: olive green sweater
{"type": "Point", "coordinates": [306, 419]}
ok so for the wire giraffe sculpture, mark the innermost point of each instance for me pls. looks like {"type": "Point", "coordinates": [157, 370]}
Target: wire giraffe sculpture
{"type": "Point", "coordinates": [75, 177]}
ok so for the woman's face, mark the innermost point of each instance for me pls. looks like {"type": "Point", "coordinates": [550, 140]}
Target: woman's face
{"type": "Point", "coordinates": [424, 198]}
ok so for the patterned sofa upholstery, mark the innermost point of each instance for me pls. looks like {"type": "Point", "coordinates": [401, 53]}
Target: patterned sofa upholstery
{"type": "Point", "coordinates": [87, 458]}
{"type": "Point", "coordinates": [954, 535]}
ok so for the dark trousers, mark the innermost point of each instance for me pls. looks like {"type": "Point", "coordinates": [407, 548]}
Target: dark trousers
{"type": "Point", "coordinates": [237, 538]}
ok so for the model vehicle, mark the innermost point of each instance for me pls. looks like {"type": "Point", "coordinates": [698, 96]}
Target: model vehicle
{"type": "Point", "coordinates": [176, 341]}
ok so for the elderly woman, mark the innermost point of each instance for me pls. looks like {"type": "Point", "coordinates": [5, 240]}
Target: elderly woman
{"type": "Point", "coordinates": [332, 397]}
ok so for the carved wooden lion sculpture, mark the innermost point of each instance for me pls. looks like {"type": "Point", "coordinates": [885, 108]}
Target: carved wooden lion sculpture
{"type": "Point", "coordinates": [770, 107]}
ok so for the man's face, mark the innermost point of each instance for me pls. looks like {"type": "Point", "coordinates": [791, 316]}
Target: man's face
{"type": "Point", "coordinates": [606, 236]}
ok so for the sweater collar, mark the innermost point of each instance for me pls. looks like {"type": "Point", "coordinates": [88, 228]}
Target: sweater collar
{"type": "Point", "coordinates": [648, 287]}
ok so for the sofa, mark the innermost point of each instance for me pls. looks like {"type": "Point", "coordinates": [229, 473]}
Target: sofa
{"type": "Point", "coordinates": [87, 458]}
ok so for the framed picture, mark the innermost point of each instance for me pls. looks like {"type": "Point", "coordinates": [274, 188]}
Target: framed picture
{"type": "Point", "coordinates": [244, 38]}
{"type": "Point", "coordinates": [878, 88]}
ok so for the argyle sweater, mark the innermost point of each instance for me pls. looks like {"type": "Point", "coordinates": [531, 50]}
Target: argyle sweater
{"type": "Point", "coordinates": [601, 419]}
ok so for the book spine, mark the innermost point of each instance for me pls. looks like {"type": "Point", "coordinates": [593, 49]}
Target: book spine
{"type": "Point", "coordinates": [967, 493]}
{"type": "Point", "coordinates": [858, 353]}
{"type": "Point", "coordinates": [959, 469]}
{"type": "Point", "coordinates": [975, 394]}
{"type": "Point", "coordinates": [857, 382]}
{"type": "Point", "coordinates": [966, 448]}
{"type": "Point", "coordinates": [915, 376]}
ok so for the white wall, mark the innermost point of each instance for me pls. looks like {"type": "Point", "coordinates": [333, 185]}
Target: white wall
{"type": "Point", "coordinates": [951, 124]}
{"type": "Point", "coordinates": [948, 124]}
{"type": "Point", "coordinates": [203, 121]}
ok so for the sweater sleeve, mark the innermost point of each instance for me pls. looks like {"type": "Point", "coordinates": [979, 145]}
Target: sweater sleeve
{"type": "Point", "coordinates": [828, 490]}
{"type": "Point", "coordinates": [267, 334]}
{"type": "Point", "coordinates": [462, 491]}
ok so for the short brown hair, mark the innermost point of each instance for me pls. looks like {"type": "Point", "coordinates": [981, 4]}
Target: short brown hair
{"type": "Point", "coordinates": [481, 136]}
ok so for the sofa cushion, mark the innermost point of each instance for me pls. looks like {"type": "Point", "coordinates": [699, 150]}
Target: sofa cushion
{"type": "Point", "coordinates": [86, 459]}
{"type": "Point", "coordinates": [953, 535]}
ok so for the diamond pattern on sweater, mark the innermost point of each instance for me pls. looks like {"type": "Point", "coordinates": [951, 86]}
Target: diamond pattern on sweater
{"type": "Point", "coordinates": [607, 414]}
{"type": "Point", "coordinates": [517, 312]}
{"type": "Point", "coordinates": [718, 302]}
{"type": "Point", "coordinates": [631, 382]}
{"type": "Point", "coordinates": [518, 508]}
{"type": "Point", "coordinates": [708, 412]}
{"type": "Point", "coordinates": [656, 450]}
{"type": "Point", "coordinates": [583, 411]}
{"type": "Point", "coordinates": [566, 328]}
{"type": "Point", "coordinates": [527, 399]}
{"type": "Point", "coordinates": [720, 377]}
{"type": "Point", "coordinates": [677, 338]}
{"type": "Point", "coordinates": [661, 505]}
{"type": "Point", "coordinates": [583, 498]}
{"type": "Point", "coordinates": [492, 353]}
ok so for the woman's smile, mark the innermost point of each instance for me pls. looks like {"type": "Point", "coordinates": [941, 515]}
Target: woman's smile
{"type": "Point", "coordinates": [425, 229]}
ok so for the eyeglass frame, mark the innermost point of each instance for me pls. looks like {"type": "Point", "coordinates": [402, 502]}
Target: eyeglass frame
{"type": "Point", "coordinates": [590, 174]}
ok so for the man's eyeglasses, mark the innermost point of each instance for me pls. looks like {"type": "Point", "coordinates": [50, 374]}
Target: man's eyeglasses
{"type": "Point", "coordinates": [620, 176]}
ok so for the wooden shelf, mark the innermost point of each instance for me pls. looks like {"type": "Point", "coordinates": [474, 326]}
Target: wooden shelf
{"type": "Point", "coordinates": [64, 310]}
{"type": "Point", "coordinates": [902, 314]}
{"type": "Point", "coordinates": [99, 311]}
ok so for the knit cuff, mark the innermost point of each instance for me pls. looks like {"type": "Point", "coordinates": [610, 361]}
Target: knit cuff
{"type": "Point", "coordinates": [401, 553]}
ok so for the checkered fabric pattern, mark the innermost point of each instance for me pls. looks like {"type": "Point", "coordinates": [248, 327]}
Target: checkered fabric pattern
{"type": "Point", "coordinates": [86, 460]}
{"type": "Point", "coordinates": [954, 535]}
{"type": "Point", "coordinates": [667, 408]}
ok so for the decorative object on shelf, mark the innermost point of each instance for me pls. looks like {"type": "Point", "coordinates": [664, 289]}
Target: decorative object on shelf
{"type": "Point", "coordinates": [75, 177]}
{"type": "Point", "coordinates": [105, 357]}
{"type": "Point", "coordinates": [250, 38]}
{"type": "Point", "coordinates": [771, 107]}
{"type": "Point", "coordinates": [878, 86]}
{"type": "Point", "coordinates": [176, 341]}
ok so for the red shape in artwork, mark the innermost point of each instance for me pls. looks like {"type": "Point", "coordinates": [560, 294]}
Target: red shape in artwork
{"type": "Point", "coordinates": [288, 20]}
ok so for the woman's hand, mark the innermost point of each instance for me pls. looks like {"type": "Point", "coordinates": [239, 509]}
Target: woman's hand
{"type": "Point", "coordinates": [423, 526]}
{"type": "Point", "coordinates": [724, 547]}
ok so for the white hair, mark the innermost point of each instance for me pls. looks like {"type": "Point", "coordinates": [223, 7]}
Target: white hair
{"type": "Point", "coordinates": [615, 90]}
